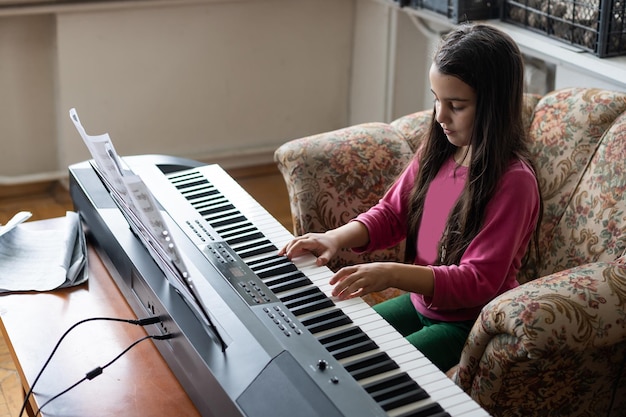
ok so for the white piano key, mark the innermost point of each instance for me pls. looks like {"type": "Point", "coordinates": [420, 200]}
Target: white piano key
{"type": "Point", "coordinates": [454, 400]}
{"type": "Point", "coordinates": [468, 409]}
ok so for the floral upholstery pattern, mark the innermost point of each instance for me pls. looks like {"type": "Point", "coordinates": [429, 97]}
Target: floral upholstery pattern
{"type": "Point", "coordinates": [556, 345]}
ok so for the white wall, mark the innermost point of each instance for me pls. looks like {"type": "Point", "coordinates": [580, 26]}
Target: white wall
{"type": "Point", "coordinates": [390, 58]}
{"type": "Point", "coordinates": [222, 81]}
{"type": "Point", "coordinates": [27, 121]}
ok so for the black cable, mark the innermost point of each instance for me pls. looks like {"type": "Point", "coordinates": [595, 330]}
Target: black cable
{"type": "Point", "coordinates": [138, 322]}
{"type": "Point", "coordinates": [98, 370]}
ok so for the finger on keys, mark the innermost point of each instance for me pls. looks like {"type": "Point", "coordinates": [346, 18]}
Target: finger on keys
{"type": "Point", "coordinates": [341, 275]}
{"type": "Point", "coordinates": [341, 283]}
{"type": "Point", "coordinates": [289, 249]}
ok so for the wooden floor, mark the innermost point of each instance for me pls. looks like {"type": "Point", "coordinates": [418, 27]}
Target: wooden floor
{"type": "Point", "coordinates": [49, 200]}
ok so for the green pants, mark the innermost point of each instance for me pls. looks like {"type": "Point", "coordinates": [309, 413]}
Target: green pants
{"type": "Point", "coordinates": [440, 341]}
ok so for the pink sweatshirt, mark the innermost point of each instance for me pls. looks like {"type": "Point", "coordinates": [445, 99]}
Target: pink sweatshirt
{"type": "Point", "coordinates": [490, 263]}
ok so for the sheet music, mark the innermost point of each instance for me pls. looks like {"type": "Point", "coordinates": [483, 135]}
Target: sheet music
{"type": "Point", "coordinates": [144, 201]}
{"type": "Point", "coordinates": [144, 216]}
{"type": "Point", "coordinates": [132, 191]}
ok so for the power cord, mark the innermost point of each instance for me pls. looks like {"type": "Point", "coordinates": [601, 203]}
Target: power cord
{"type": "Point", "coordinates": [98, 370]}
{"type": "Point", "coordinates": [139, 322]}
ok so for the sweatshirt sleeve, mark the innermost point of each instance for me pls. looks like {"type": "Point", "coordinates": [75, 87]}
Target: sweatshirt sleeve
{"type": "Point", "coordinates": [490, 264]}
{"type": "Point", "coordinates": [386, 222]}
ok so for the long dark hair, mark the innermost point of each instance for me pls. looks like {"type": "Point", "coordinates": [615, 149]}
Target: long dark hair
{"type": "Point", "coordinates": [490, 62]}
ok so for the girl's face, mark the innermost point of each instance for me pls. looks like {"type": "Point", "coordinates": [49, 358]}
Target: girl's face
{"type": "Point", "coordinates": [455, 106]}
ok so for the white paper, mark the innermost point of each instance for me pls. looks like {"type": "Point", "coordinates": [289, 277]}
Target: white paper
{"type": "Point", "coordinates": [152, 218]}
{"type": "Point", "coordinates": [104, 155]}
{"type": "Point", "coordinates": [44, 255]}
{"type": "Point", "coordinates": [16, 220]}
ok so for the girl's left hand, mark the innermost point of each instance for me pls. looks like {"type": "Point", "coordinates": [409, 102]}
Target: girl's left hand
{"type": "Point", "coordinates": [358, 280]}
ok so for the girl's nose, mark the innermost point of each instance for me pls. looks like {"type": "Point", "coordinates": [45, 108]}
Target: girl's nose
{"type": "Point", "coordinates": [440, 115]}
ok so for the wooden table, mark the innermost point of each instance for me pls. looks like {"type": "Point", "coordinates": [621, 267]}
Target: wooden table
{"type": "Point", "coordinates": [138, 384]}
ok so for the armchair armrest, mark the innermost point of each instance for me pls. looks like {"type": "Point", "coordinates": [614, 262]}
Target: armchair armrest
{"type": "Point", "coordinates": [553, 346]}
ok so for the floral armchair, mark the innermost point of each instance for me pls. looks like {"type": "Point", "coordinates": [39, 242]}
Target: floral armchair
{"type": "Point", "coordinates": [556, 345]}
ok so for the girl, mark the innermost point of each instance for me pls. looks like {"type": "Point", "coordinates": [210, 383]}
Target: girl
{"type": "Point", "coordinates": [468, 203]}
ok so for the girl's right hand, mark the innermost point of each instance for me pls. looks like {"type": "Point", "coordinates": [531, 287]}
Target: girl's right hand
{"type": "Point", "coordinates": [321, 245]}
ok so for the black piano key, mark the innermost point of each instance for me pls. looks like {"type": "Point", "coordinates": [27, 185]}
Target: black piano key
{"type": "Point", "coordinates": [286, 284]}
{"type": "Point", "coordinates": [206, 190]}
{"type": "Point", "coordinates": [200, 196]}
{"type": "Point", "coordinates": [234, 228]}
{"type": "Point", "coordinates": [205, 205]}
{"type": "Point", "coordinates": [348, 343]}
{"type": "Point", "coordinates": [281, 276]}
{"type": "Point", "coordinates": [316, 305]}
{"type": "Point", "coordinates": [215, 215]}
{"type": "Point", "coordinates": [326, 320]}
{"type": "Point", "coordinates": [243, 231]}
{"type": "Point", "coordinates": [402, 398]}
{"type": "Point", "coordinates": [249, 243]}
{"type": "Point", "coordinates": [219, 221]}
{"type": "Point", "coordinates": [307, 293]}
{"type": "Point", "coordinates": [360, 345]}
{"type": "Point", "coordinates": [340, 335]}
{"type": "Point", "coordinates": [276, 270]}
{"type": "Point", "coordinates": [372, 365]}
{"type": "Point", "coordinates": [219, 203]}
{"type": "Point", "coordinates": [259, 260]}
{"type": "Point", "coordinates": [395, 391]}
{"type": "Point", "coordinates": [191, 184]}
{"type": "Point", "coordinates": [302, 296]}
{"type": "Point", "coordinates": [255, 249]}
{"type": "Point", "coordinates": [220, 209]}
{"type": "Point", "coordinates": [246, 237]}
{"type": "Point", "coordinates": [223, 218]}
{"type": "Point", "coordinates": [262, 263]}
{"type": "Point", "coordinates": [205, 193]}
{"type": "Point", "coordinates": [217, 200]}
{"type": "Point", "coordinates": [192, 193]}
{"type": "Point", "coordinates": [429, 410]}
{"type": "Point", "coordinates": [177, 177]}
